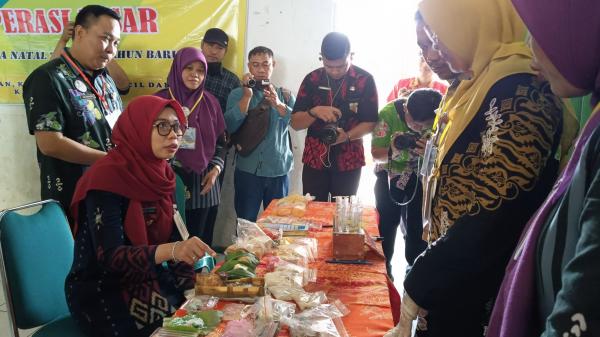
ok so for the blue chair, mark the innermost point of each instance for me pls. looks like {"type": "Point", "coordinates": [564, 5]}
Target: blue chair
{"type": "Point", "coordinates": [36, 253]}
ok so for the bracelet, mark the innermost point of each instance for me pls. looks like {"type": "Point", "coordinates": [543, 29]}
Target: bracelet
{"type": "Point", "coordinates": [173, 251]}
{"type": "Point", "coordinates": [311, 113]}
{"type": "Point", "coordinates": [347, 137]}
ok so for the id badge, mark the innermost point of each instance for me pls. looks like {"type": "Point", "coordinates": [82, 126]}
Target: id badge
{"type": "Point", "coordinates": [180, 224]}
{"type": "Point", "coordinates": [112, 117]}
{"type": "Point", "coordinates": [188, 141]}
{"type": "Point", "coordinates": [429, 158]}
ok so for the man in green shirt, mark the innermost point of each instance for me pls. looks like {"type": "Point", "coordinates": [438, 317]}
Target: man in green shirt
{"type": "Point", "coordinates": [397, 138]}
{"type": "Point", "coordinates": [71, 103]}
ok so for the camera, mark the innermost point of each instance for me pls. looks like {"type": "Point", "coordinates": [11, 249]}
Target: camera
{"type": "Point", "coordinates": [406, 140]}
{"type": "Point", "coordinates": [329, 133]}
{"type": "Point", "coordinates": [258, 84]}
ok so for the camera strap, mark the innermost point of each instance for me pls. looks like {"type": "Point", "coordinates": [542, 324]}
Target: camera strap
{"type": "Point", "coordinates": [415, 188]}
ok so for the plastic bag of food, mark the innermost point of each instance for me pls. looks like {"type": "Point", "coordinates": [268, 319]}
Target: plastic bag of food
{"type": "Point", "coordinates": [200, 303]}
{"type": "Point", "coordinates": [286, 278]}
{"type": "Point", "coordinates": [311, 245]}
{"type": "Point", "coordinates": [277, 264]}
{"type": "Point", "coordinates": [233, 311]}
{"type": "Point", "coordinates": [202, 322]}
{"type": "Point", "coordinates": [239, 328]}
{"type": "Point", "coordinates": [306, 300]}
{"type": "Point", "coordinates": [294, 253]}
{"type": "Point", "coordinates": [323, 321]}
{"type": "Point", "coordinates": [252, 238]}
{"type": "Point", "coordinates": [267, 308]}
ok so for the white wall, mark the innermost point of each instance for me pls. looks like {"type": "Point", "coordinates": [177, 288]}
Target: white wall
{"type": "Point", "coordinates": [19, 174]}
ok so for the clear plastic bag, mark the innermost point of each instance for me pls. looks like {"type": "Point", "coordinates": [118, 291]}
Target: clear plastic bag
{"type": "Point", "coordinates": [310, 243]}
{"type": "Point", "coordinates": [294, 253]}
{"type": "Point", "coordinates": [286, 278]}
{"type": "Point", "coordinates": [200, 303]}
{"type": "Point", "coordinates": [267, 308]}
{"type": "Point", "coordinates": [239, 328]}
{"type": "Point", "coordinates": [323, 321]}
{"type": "Point", "coordinates": [234, 311]}
{"type": "Point", "coordinates": [303, 299]}
{"type": "Point", "coordinates": [252, 238]}
{"type": "Point", "coordinates": [277, 264]}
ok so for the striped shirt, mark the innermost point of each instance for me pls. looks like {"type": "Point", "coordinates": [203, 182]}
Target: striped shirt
{"type": "Point", "coordinates": [193, 181]}
{"type": "Point", "coordinates": [220, 85]}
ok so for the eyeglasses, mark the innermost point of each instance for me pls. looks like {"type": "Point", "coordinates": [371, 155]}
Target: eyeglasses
{"type": "Point", "coordinates": [164, 128]}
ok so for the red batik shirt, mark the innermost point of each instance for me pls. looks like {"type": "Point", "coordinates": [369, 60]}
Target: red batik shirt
{"type": "Point", "coordinates": [356, 96]}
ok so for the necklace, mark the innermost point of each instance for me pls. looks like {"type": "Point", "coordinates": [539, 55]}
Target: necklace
{"type": "Point", "coordinates": [333, 96]}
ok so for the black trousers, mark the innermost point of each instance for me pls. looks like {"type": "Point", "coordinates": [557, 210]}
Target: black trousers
{"type": "Point", "coordinates": [319, 183]}
{"type": "Point", "coordinates": [390, 214]}
{"type": "Point", "coordinates": [199, 223]}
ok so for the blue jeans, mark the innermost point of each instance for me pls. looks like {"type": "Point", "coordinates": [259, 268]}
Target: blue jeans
{"type": "Point", "coordinates": [252, 190]}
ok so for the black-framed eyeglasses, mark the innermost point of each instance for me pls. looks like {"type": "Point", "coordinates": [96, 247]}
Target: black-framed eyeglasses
{"type": "Point", "coordinates": [164, 128]}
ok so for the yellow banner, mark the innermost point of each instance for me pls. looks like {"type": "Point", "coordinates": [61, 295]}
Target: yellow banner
{"type": "Point", "coordinates": [152, 30]}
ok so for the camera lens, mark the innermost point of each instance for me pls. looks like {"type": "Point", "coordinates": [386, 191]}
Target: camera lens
{"type": "Point", "coordinates": [251, 83]}
{"type": "Point", "coordinates": [329, 134]}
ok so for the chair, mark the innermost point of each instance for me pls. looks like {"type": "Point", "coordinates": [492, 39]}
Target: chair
{"type": "Point", "coordinates": [36, 253]}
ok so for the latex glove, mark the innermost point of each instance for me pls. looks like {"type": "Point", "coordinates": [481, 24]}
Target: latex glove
{"type": "Point", "coordinates": [408, 313]}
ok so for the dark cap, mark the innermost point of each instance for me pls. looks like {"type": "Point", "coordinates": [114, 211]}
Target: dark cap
{"type": "Point", "coordinates": [216, 35]}
{"type": "Point", "coordinates": [335, 46]}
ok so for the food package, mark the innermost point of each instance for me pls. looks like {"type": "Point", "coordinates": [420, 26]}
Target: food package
{"type": "Point", "coordinates": [202, 322]}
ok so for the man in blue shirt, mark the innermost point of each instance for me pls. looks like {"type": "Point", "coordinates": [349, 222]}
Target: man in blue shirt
{"type": "Point", "coordinates": [262, 174]}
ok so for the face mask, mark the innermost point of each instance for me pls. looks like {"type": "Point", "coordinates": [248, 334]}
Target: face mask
{"type": "Point", "coordinates": [214, 68]}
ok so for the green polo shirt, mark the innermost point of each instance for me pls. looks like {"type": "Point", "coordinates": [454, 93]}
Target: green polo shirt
{"type": "Point", "coordinates": [388, 123]}
{"type": "Point", "coordinates": [57, 98]}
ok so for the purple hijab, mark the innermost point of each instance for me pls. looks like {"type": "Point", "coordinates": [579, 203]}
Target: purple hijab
{"type": "Point", "coordinates": [569, 34]}
{"type": "Point", "coordinates": [206, 118]}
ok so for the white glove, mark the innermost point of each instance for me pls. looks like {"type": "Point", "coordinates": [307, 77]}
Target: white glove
{"type": "Point", "coordinates": [408, 313]}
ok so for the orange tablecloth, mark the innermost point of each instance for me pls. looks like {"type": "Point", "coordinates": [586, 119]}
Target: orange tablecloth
{"type": "Point", "coordinates": [362, 288]}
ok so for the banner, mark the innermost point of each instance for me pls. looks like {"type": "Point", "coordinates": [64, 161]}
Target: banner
{"type": "Point", "coordinates": [151, 32]}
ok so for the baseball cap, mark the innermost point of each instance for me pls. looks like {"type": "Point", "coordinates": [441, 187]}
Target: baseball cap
{"type": "Point", "coordinates": [216, 35]}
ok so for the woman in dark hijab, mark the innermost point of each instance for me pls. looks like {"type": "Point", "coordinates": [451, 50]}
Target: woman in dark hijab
{"type": "Point", "coordinates": [201, 155]}
{"type": "Point", "coordinates": [551, 284]}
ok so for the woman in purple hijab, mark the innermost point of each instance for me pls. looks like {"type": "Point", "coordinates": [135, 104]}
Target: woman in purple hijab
{"type": "Point", "coordinates": [552, 283]}
{"type": "Point", "coordinates": [200, 157]}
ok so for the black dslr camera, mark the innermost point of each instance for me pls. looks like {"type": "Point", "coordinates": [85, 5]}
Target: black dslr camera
{"type": "Point", "coordinates": [329, 133]}
{"type": "Point", "coordinates": [407, 140]}
{"type": "Point", "coordinates": [258, 84]}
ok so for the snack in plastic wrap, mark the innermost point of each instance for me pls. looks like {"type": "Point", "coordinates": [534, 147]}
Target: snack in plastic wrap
{"type": "Point", "coordinates": [239, 328]}
{"type": "Point", "coordinates": [294, 253]}
{"type": "Point", "coordinates": [200, 303]}
{"type": "Point", "coordinates": [268, 309]}
{"type": "Point", "coordinates": [202, 322]}
{"type": "Point", "coordinates": [286, 278]}
{"type": "Point", "coordinates": [233, 311]}
{"type": "Point", "coordinates": [251, 238]}
{"type": "Point", "coordinates": [276, 264]}
{"type": "Point", "coordinates": [292, 205]}
{"type": "Point", "coordinates": [311, 245]}
{"type": "Point", "coordinates": [323, 321]}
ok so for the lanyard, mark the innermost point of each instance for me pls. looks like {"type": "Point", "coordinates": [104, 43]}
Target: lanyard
{"type": "Point", "coordinates": [195, 104]}
{"type": "Point", "coordinates": [85, 78]}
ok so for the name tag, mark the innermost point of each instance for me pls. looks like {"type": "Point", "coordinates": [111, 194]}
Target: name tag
{"type": "Point", "coordinates": [188, 141]}
{"type": "Point", "coordinates": [180, 224]}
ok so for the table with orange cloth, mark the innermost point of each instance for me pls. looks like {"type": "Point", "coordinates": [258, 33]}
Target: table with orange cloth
{"type": "Point", "coordinates": [364, 288]}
